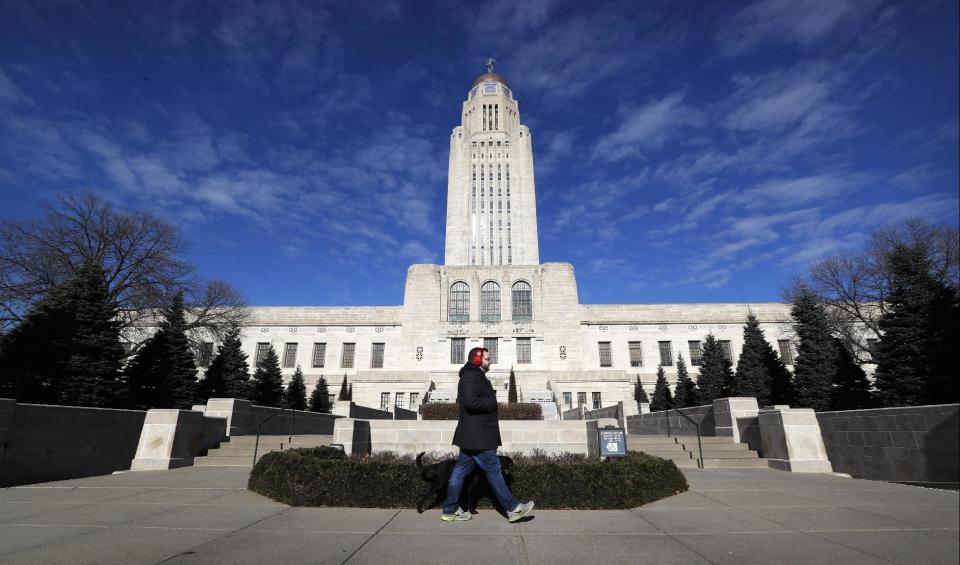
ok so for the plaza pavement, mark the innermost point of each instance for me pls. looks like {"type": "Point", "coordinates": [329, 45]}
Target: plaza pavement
{"type": "Point", "coordinates": [205, 515]}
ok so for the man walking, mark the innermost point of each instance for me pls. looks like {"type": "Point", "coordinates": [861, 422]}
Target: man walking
{"type": "Point", "coordinates": [478, 436]}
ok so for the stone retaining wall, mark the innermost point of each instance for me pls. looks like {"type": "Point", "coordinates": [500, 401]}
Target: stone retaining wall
{"type": "Point", "coordinates": [910, 444]}
{"type": "Point", "coordinates": [49, 443]}
{"type": "Point", "coordinates": [655, 423]}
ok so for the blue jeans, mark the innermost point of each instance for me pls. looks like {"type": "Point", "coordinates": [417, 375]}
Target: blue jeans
{"type": "Point", "coordinates": [489, 463]}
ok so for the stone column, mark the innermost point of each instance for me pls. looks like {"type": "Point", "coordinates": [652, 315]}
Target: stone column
{"type": "Point", "coordinates": [169, 439]}
{"type": "Point", "coordinates": [240, 420]}
{"type": "Point", "coordinates": [7, 406]}
{"type": "Point", "coordinates": [353, 435]}
{"type": "Point", "coordinates": [736, 418]}
{"type": "Point", "coordinates": [791, 440]}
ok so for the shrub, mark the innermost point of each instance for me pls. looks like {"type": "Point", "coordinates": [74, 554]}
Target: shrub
{"type": "Point", "coordinates": [451, 411]}
{"type": "Point", "coordinates": [325, 477]}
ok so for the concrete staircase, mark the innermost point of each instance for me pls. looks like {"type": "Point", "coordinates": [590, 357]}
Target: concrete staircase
{"type": "Point", "coordinates": [718, 452]}
{"type": "Point", "coordinates": [238, 451]}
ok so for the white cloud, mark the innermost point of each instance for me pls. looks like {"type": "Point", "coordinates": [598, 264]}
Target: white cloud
{"type": "Point", "coordinates": [647, 128]}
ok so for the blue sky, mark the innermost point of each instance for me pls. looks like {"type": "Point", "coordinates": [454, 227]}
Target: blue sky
{"type": "Point", "coordinates": [685, 151]}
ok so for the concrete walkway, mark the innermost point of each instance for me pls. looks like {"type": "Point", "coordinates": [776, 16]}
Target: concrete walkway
{"type": "Point", "coordinates": [205, 515]}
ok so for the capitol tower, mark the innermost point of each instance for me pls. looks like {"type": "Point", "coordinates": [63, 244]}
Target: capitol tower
{"type": "Point", "coordinates": [491, 199]}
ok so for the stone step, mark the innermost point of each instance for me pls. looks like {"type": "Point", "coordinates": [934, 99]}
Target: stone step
{"type": "Point", "coordinates": [687, 463]}
{"type": "Point", "coordinates": [716, 454]}
{"type": "Point", "coordinates": [734, 463]}
{"type": "Point", "coordinates": [654, 447]}
{"type": "Point", "coordinates": [675, 455]}
{"type": "Point", "coordinates": [704, 439]}
{"type": "Point", "coordinates": [660, 439]}
{"type": "Point", "coordinates": [224, 461]}
{"type": "Point", "coordinates": [228, 447]}
{"type": "Point", "coordinates": [238, 440]}
{"type": "Point", "coordinates": [717, 446]}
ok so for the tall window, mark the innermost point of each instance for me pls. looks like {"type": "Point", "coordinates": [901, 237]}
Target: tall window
{"type": "Point", "coordinates": [206, 353]}
{"type": "Point", "coordinates": [385, 401]}
{"type": "Point", "coordinates": [490, 344]}
{"type": "Point", "coordinates": [458, 307]}
{"type": "Point", "coordinates": [414, 399]}
{"type": "Point", "coordinates": [725, 347]}
{"type": "Point", "coordinates": [490, 302]}
{"type": "Point", "coordinates": [522, 301]}
{"type": "Point", "coordinates": [399, 399]}
{"type": "Point", "coordinates": [786, 352]}
{"type": "Point", "coordinates": [376, 356]}
{"type": "Point", "coordinates": [289, 355]}
{"type": "Point", "coordinates": [605, 360]}
{"type": "Point", "coordinates": [346, 357]}
{"type": "Point", "coordinates": [696, 354]}
{"type": "Point", "coordinates": [596, 400]}
{"type": "Point", "coordinates": [636, 354]}
{"type": "Point", "coordinates": [568, 399]}
{"type": "Point", "coordinates": [319, 355]}
{"type": "Point", "coordinates": [262, 348]}
{"type": "Point", "coordinates": [666, 353]}
{"type": "Point", "coordinates": [458, 350]}
{"type": "Point", "coordinates": [581, 398]}
{"type": "Point", "coordinates": [523, 350]}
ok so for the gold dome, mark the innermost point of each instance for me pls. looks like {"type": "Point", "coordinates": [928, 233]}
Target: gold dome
{"type": "Point", "coordinates": [488, 77]}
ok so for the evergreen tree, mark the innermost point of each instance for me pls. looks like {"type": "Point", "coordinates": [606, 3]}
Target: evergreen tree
{"type": "Point", "coordinates": [228, 375]}
{"type": "Point", "coordinates": [268, 381]}
{"type": "Point", "coordinates": [816, 363]}
{"type": "Point", "coordinates": [344, 393]}
{"type": "Point", "coordinates": [851, 388]}
{"type": "Point", "coordinates": [164, 374]}
{"type": "Point", "coordinates": [715, 372]}
{"type": "Point", "coordinates": [661, 393]}
{"type": "Point", "coordinates": [296, 395]}
{"type": "Point", "coordinates": [918, 331]}
{"type": "Point", "coordinates": [639, 394]}
{"type": "Point", "coordinates": [512, 392]}
{"type": "Point", "coordinates": [320, 397]}
{"type": "Point", "coordinates": [751, 377]}
{"type": "Point", "coordinates": [92, 372]}
{"type": "Point", "coordinates": [685, 391]}
{"type": "Point", "coordinates": [350, 392]}
{"type": "Point", "coordinates": [67, 349]}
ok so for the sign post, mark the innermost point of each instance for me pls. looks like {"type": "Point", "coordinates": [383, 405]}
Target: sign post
{"type": "Point", "coordinates": [612, 442]}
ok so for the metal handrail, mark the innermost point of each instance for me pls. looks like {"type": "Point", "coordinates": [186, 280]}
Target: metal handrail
{"type": "Point", "coordinates": [256, 445]}
{"type": "Point", "coordinates": [692, 421]}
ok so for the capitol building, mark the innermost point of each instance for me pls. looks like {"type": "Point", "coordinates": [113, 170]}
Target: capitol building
{"type": "Point", "coordinates": [493, 291]}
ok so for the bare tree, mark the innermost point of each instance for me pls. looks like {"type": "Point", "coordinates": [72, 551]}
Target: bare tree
{"type": "Point", "coordinates": [140, 252]}
{"type": "Point", "coordinates": [855, 286]}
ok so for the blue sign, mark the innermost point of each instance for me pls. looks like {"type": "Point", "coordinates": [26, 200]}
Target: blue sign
{"type": "Point", "coordinates": [613, 442]}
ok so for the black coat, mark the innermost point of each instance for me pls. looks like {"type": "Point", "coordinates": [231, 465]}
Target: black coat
{"type": "Point", "coordinates": [477, 427]}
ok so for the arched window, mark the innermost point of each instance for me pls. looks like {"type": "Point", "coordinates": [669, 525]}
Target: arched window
{"type": "Point", "coordinates": [490, 302]}
{"type": "Point", "coordinates": [458, 307]}
{"type": "Point", "coordinates": [522, 301]}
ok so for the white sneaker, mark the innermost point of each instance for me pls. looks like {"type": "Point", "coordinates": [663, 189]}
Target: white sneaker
{"type": "Point", "coordinates": [520, 511]}
{"type": "Point", "coordinates": [458, 516]}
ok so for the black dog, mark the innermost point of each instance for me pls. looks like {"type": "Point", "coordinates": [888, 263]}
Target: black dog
{"type": "Point", "coordinates": [475, 486]}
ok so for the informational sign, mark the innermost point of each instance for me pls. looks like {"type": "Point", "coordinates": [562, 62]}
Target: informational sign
{"type": "Point", "coordinates": [613, 442]}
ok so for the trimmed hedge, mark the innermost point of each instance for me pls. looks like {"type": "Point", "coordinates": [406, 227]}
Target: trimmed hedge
{"type": "Point", "coordinates": [451, 411]}
{"type": "Point", "coordinates": [325, 477]}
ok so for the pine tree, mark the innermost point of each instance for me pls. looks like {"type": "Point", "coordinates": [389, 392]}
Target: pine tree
{"type": "Point", "coordinates": [639, 394]}
{"type": "Point", "coordinates": [662, 399]}
{"type": "Point", "coordinates": [752, 377]}
{"type": "Point", "coordinates": [344, 392]}
{"type": "Point", "coordinates": [163, 374]}
{"type": "Point", "coordinates": [296, 394]}
{"type": "Point", "coordinates": [917, 333]}
{"type": "Point", "coordinates": [816, 363]}
{"type": "Point", "coordinates": [851, 388]}
{"type": "Point", "coordinates": [685, 391]}
{"type": "Point", "coordinates": [228, 375]}
{"type": "Point", "coordinates": [320, 397]}
{"type": "Point", "coordinates": [715, 372]}
{"type": "Point", "coordinates": [268, 381]}
{"type": "Point", "coordinates": [512, 392]}
{"type": "Point", "coordinates": [93, 369]}
{"type": "Point", "coordinates": [67, 349]}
